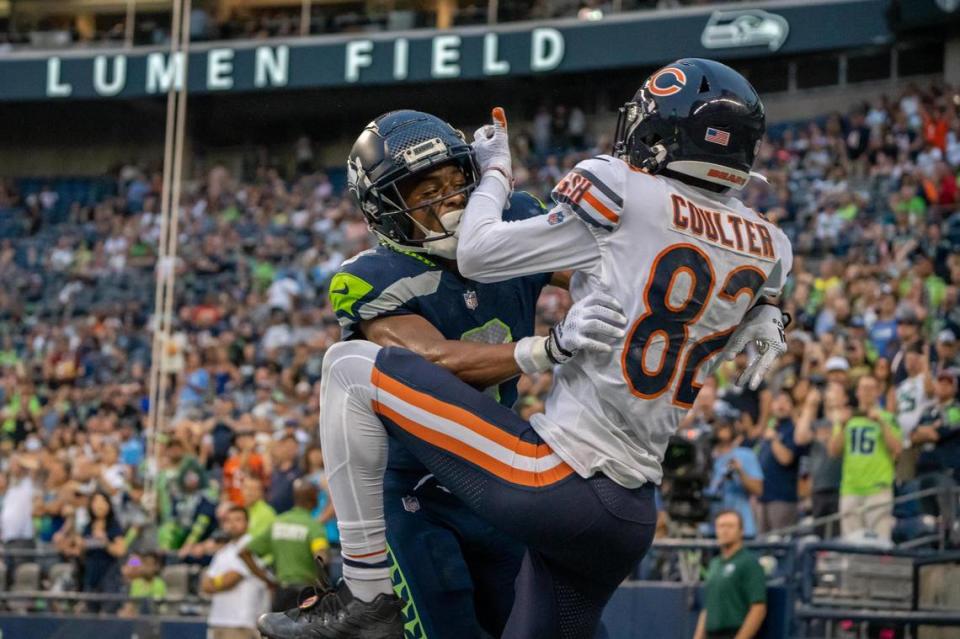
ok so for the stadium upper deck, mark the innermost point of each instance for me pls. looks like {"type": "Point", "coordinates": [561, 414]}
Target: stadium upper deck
{"type": "Point", "coordinates": [92, 23]}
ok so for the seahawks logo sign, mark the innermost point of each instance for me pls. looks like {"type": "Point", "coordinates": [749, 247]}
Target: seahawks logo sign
{"type": "Point", "coordinates": [747, 28]}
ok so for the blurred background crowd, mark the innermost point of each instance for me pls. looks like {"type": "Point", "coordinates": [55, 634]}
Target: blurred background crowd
{"type": "Point", "coordinates": [869, 198]}
{"type": "Point", "coordinates": [31, 24]}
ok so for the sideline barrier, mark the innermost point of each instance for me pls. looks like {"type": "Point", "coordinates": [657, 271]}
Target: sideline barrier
{"type": "Point", "coordinates": [638, 610]}
{"type": "Point", "coordinates": [37, 626]}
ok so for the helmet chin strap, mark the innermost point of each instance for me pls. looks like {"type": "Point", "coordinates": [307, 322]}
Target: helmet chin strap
{"type": "Point", "coordinates": [658, 155]}
{"type": "Point", "coordinates": [444, 246]}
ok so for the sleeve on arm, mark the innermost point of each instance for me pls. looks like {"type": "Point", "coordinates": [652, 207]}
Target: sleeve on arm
{"type": "Point", "coordinates": [492, 250]}
{"type": "Point", "coordinates": [751, 465]}
{"type": "Point", "coordinates": [593, 191]}
{"type": "Point", "coordinates": [260, 545]}
{"type": "Point", "coordinates": [377, 290]}
{"type": "Point", "coordinates": [778, 277]}
{"type": "Point", "coordinates": [756, 583]}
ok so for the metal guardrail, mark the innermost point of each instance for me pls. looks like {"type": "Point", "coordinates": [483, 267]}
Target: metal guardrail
{"type": "Point", "coordinates": [50, 595]}
{"type": "Point", "coordinates": [948, 494]}
{"type": "Point", "coordinates": [910, 618]}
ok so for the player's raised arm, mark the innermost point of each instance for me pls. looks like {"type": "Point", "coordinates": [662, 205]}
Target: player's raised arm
{"type": "Point", "coordinates": [491, 250]}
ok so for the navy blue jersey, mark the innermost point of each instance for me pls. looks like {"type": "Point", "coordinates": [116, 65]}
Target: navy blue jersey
{"type": "Point", "coordinates": [384, 281]}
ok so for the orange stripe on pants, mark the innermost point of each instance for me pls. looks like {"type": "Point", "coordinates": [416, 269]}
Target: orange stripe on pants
{"type": "Point", "coordinates": [458, 415]}
{"type": "Point", "coordinates": [470, 454]}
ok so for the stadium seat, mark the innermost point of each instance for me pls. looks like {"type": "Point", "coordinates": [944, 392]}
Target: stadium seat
{"type": "Point", "coordinates": [177, 578]}
{"type": "Point", "coordinates": [61, 577]}
{"type": "Point", "coordinates": [26, 578]}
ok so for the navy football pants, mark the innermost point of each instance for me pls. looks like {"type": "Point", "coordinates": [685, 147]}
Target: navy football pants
{"type": "Point", "coordinates": [454, 570]}
{"type": "Point", "coordinates": [584, 536]}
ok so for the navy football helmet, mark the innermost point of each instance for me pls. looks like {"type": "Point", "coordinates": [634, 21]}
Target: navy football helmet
{"type": "Point", "coordinates": [696, 120]}
{"type": "Point", "coordinates": [394, 147]}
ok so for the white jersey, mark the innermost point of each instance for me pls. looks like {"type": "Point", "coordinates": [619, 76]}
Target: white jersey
{"type": "Point", "coordinates": [685, 264]}
{"type": "Point", "coordinates": [912, 401]}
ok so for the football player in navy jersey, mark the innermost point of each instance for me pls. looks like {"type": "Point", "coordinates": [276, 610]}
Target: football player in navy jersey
{"type": "Point", "coordinates": [412, 173]}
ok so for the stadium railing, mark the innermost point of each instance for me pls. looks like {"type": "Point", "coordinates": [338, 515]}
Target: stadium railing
{"type": "Point", "coordinates": [947, 498]}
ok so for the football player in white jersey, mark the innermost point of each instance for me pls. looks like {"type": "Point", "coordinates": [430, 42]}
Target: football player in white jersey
{"type": "Point", "coordinates": [687, 268]}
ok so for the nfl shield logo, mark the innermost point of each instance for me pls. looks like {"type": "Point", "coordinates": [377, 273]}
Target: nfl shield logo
{"type": "Point", "coordinates": [411, 504]}
{"type": "Point", "coordinates": [470, 299]}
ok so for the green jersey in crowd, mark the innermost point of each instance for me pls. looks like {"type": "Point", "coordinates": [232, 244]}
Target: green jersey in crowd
{"type": "Point", "coordinates": [733, 584]}
{"type": "Point", "coordinates": [293, 539]}
{"type": "Point", "coordinates": [868, 466]}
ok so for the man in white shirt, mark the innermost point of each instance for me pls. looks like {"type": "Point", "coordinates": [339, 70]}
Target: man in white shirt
{"type": "Point", "coordinates": [16, 515]}
{"type": "Point", "coordinates": [239, 597]}
{"type": "Point", "coordinates": [282, 293]}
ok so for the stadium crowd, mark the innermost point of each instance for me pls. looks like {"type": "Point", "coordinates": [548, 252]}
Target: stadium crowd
{"type": "Point", "coordinates": [863, 404]}
{"type": "Point", "coordinates": [207, 21]}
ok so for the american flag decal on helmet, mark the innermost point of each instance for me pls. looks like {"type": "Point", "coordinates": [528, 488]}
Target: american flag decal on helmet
{"type": "Point", "coordinates": [717, 136]}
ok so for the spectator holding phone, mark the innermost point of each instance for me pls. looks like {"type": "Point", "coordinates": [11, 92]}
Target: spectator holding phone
{"type": "Point", "coordinates": [100, 547]}
{"type": "Point", "coordinates": [825, 470]}
{"type": "Point", "coordinates": [779, 457]}
{"type": "Point", "coordinates": [238, 594]}
{"type": "Point", "coordinates": [737, 475]}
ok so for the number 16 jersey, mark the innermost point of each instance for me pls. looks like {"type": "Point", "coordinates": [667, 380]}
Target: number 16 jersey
{"type": "Point", "coordinates": [686, 264]}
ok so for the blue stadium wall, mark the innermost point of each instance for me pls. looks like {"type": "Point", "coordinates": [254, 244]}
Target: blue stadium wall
{"type": "Point", "coordinates": [640, 610]}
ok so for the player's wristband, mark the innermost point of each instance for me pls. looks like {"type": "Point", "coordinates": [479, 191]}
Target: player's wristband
{"type": "Point", "coordinates": [556, 353]}
{"type": "Point", "coordinates": [531, 355]}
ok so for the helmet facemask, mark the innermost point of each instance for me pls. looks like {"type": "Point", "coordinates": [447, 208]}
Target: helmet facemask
{"type": "Point", "coordinates": [399, 226]}
{"type": "Point", "coordinates": [648, 152]}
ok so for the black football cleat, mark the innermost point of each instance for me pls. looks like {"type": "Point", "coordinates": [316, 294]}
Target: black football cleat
{"type": "Point", "coordinates": [336, 614]}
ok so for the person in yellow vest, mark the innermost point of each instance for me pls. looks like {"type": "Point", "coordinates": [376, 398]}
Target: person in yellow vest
{"type": "Point", "coordinates": [294, 539]}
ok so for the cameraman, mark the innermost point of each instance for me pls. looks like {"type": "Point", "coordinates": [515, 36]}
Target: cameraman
{"type": "Point", "coordinates": [736, 470]}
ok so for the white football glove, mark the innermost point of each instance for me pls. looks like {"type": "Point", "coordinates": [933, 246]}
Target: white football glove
{"type": "Point", "coordinates": [591, 325]}
{"type": "Point", "coordinates": [763, 325]}
{"type": "Point", "coordinates": [492, 146]}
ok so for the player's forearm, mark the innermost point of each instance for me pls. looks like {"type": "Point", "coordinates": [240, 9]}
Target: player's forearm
{"type": "Point", "coordinates": [480, 365]}
{"type": "Point", "coordinates": [476, 363]}
{"type": "Point", "coordinates": [491, 250]}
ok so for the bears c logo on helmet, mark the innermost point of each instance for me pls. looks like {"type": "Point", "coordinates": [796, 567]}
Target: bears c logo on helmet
{"type": "Point", "coordinates": [667, 81]}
